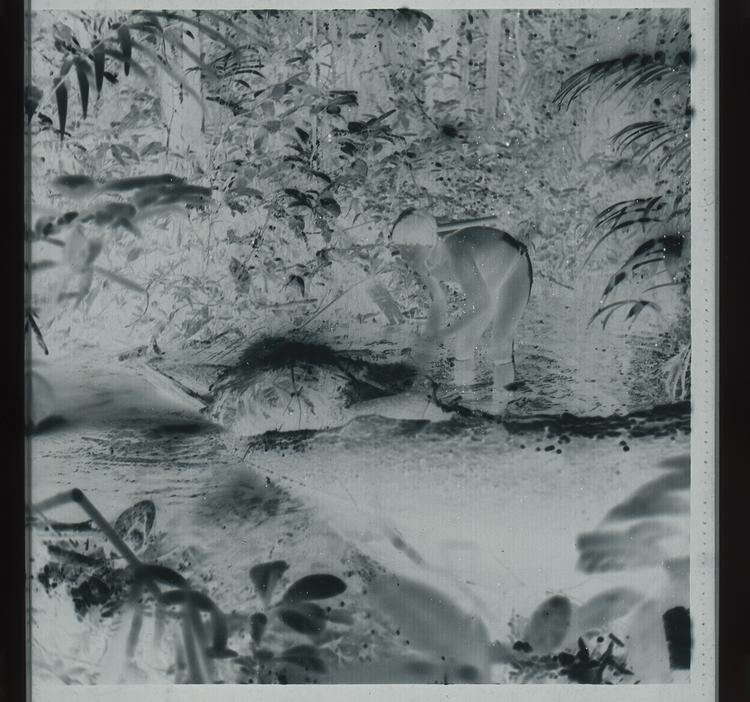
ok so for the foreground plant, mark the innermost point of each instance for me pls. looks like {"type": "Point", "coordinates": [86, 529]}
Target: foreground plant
{"type": "Point", "coordinates": [199, 643]}
{"type": "Point", "coordinates": [204, 627]}
{"type": "Point", "coordinates": [661, 219]}
{"type": "Point", "coordinates": [298, 611]}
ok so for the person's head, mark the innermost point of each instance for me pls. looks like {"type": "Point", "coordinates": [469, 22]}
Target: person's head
{"type": "Point", "coordinates": [414, 228]}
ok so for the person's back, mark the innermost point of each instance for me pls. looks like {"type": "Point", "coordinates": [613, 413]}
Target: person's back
{"type": "Point", "coordinates": [494, 252]}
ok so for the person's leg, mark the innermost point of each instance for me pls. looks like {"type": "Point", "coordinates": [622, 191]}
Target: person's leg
{"type": "Point", "coordinates": [512, 296]}
{"type": "Point", "coordinates": [470, 330]}
{"type": "Point", "coordinates": [464, 375]}
{"type": "Point", "coordinates": [478, 312]}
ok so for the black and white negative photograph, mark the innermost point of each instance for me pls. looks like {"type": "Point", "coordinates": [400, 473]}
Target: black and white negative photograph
{"type": "Point", "coordinates": [370, 346]}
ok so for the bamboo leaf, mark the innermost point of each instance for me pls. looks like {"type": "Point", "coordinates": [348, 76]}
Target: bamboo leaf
{"type": "Point", "coordinates": [138, 182]}
{"type": "Point", "coordinates": [74, 184]}
{"type": "Point", "coordinates": [61, 94]}
{"type": "Point", "coordinates": [126, 45]}
{"type": "Point", "coordinates": [253, 36]}
{"type": "Point", "coordinates": [181, 46]}
{"type": "Point", "coordinates": [42, 265]}
{"type": "Point", "coordinates": [170, 72]}
{"type": "Point", "coordinates": [83, 70]}
{"type": "Point", "coordinates": [97, 57]}
{"type": "Point", "coordinates": [146, 573]}
{"type": "Point", "coordinates": [32, 96]}
{"type": "Point", "coordinates": [119, 56]}
{"type": "Point", "coordinates": [37, 333]}
{"type": "Point", "coordinates": [208, 31]}
{"type": "Point", "coordinates": [120, 280]}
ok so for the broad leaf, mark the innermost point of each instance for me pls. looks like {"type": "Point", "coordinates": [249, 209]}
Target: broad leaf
{"type": "Point", "coordinates": [304, 617]}
{"type": "Point", "coordinates": [314, 587]}
{"type": "Point", "coordinates": [265, 577]}
{"type": "Point", "coordinates": [600, 610]}
{"type": "Point", "coordinates": [74, 184]}
{"type": "Point", "coordinates": [258, 624]}
{"type": "Point", "coordinates": [306, 657]}
{"type": "Point", "coordinates": [549, 624]}
{"type": "Point", "coordinates": [330, 205]}
{"type": "Point", "coordinates": [134, 525]}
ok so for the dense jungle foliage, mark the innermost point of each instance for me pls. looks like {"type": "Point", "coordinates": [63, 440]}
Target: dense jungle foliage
{"type": "Point", "coordinates": [198, 174]}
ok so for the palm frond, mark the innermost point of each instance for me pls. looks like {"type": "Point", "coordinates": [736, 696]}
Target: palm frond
{"type": "Point", "coordinates": [663, 285]}
{"type": "Point", "coordinates": [636, 307]}
{"type": "Point", "coordinates": [629, 73]}
{"type": "Point", "coordinates": [683, 150]}
{"type": "Point", "coordinates": [646, 138]}
{"type": "Point", "coordinates": [622, 215]}
{"type": "Point", "coordinates": [637, 131]}
{"type": "Point", "coordinates": [651, 251]}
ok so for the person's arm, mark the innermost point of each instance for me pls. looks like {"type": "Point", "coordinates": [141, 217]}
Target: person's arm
{"type": "Point", "coordinates": [467, 274]}
{"type": "Point", "coordinates": [439, 308]}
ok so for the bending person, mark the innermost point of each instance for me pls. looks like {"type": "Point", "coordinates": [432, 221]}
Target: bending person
{"type": "Point", "coordinates": [494, 272]}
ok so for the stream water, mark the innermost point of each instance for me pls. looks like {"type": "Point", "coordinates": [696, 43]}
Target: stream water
{"type": "Point", "coordinates": [489, 512]}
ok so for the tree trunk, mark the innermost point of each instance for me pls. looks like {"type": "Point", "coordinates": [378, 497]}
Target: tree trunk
{"type": "Point", "coordinates": [492, 66]}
